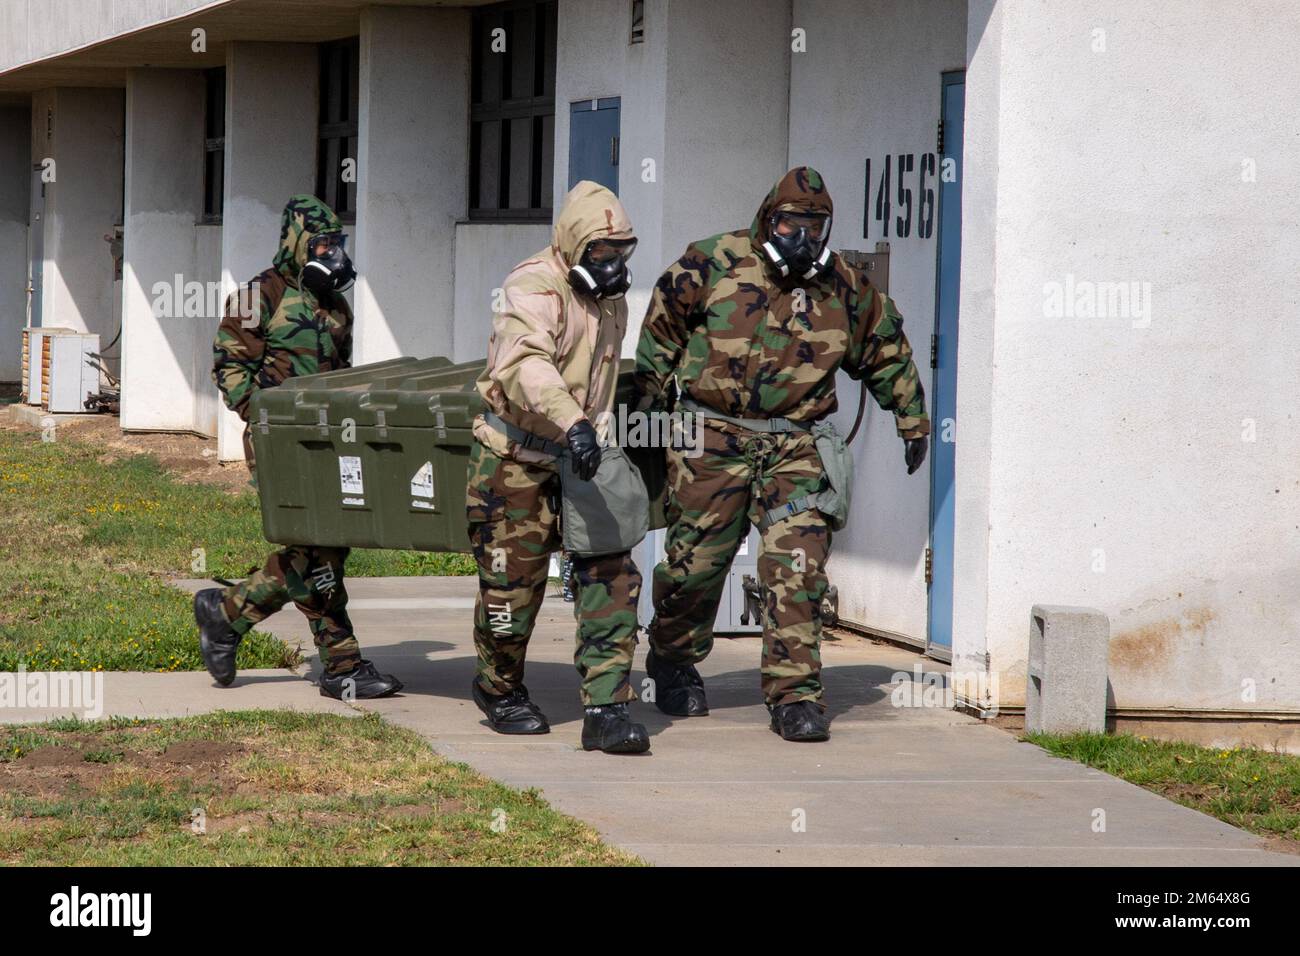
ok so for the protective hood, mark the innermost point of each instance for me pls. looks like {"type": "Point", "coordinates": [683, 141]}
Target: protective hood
{"type": "Point", "coordinates": [590, 212]}
{"type": "Point", "coordinates": [799, 190]}
{"type": "Point", "coordinates": [304, 218]}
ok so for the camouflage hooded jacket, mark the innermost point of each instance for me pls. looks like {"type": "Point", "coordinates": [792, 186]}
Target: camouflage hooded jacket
{"type": "Point", "coordinates": [553, 354]}
{"type": "Point", "coordinates": [272, 329]}
{"type": "Point", "coordinates": [747, 343]}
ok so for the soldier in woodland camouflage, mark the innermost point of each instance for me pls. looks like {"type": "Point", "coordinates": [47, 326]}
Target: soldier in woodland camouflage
{"type": "Point", "coordinates": [752, 326]}
{"type": "Point", "coordinates": [552, 368]}
{"type": "Point", "coordinates": [289, 320]}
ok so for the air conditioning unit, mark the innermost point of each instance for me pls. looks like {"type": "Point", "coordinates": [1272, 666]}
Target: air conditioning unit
{"type": "Point", "coordinates": [36, 363]}
{"type": "Point", "coordinates": [72, 378]}
{"type": "Point", "coordinates": [56, 373]}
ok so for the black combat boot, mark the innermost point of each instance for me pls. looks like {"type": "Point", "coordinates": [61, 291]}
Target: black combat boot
{"type": "Point", "coordinates": [217, 641]}
{"type": "Point", "coordinates": [679, 690]}
{"type": "Point", "coordinates": [610, 728]}
{"type": "Point", "coordinates": [363, 682]}
{"type": "Point", "coordinates": [511, 713]}
{"type": "Point", "coordinates": [804, 720]}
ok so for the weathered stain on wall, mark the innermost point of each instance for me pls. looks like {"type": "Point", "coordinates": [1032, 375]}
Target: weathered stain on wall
{"type": "Point", "coordinates": [1153, 646]}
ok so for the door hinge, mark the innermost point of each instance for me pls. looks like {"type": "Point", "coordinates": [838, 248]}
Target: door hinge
{"type": "Point", "coordinates": [938, 145]}
{"type": "Point", "coordinates": [934, 351]}
{"type": "Point", "coordinates": [929, 566]}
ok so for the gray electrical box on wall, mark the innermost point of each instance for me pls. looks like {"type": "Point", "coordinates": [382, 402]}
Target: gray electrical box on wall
{"type": "Point", "coordinates": [733, 616]}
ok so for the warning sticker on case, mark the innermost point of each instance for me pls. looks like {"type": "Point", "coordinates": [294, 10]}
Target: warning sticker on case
{"type": "Point", "coordinates": [422, 482]}
{"type": "Point", "coordinates": [350, 475]}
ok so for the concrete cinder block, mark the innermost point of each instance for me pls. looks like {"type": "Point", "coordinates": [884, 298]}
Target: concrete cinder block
{"type": "Point", "coordinates": [1068, 650]}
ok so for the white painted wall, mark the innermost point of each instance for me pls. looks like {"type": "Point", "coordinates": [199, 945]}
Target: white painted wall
{"type": "Point", "coordinates": [1116, 440]}
{"type": "Point", "coordinates": [413, 179]}
{"type": "Point", "coordinates": [208, 406]}
{"type": "Point", "coordinates": [82, 204]}
{"type": "Point", "coordinates": [15, 188]}
{"type": "Point", "coordinates": [976, 324]}
{"type": "Point", "coordinates": [594, 60]}
{"type": "Point", "coordinates": [271, 114]}
{"type": "Point", "coordinates": [164, 196]}
{"type": "Point", "coordinates": [858, 94]}
{"type": "Point", "coordinates": [718, 155]}
{"type": "Point", "coordinates": [725, 140]}
{"type": "Point", "coordinates": [485, 253]}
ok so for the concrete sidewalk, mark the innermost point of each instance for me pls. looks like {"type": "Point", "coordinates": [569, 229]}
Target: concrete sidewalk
{"type": "Point", "coordinates": [903, 786]}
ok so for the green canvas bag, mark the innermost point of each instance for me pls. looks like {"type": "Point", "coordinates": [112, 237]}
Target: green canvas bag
{"type": "Point", "coordinates": [607, 515]}
{"type": "Point", "coordinates": [837, 462]}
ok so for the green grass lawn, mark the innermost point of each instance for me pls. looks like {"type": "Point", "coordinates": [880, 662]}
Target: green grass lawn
{"type": "Point", "coordinates": [87, 546]}
{"type": "Point", "coordinates": [1253, 789]}
{"type": "Point", "coordinates": [265, 788]}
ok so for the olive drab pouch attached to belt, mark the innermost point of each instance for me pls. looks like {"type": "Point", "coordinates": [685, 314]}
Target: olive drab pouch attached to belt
{"type": "Point", "coordinates": [833, 500]}
{"type": "Point", "coordinates": [607, 515]}
{"type": "Point", "coordinates": [837, 463]}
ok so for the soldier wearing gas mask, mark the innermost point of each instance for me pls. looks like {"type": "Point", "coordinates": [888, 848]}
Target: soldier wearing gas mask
{"type": "Point", "coordinates": [289, 320]}
{"type": "Point", "coordinates": [552, 370]}
{"type": "Point", "coordinates": [752, 327]}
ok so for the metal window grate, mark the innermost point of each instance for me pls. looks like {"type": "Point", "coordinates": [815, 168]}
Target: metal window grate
{"type": "Point", "coordinates": [512, 111]}
{"type": "Point", "coordinates": [214, 144]}
{"type": "Point", "coordinates": [637, 34]}
{"type": "Point", "coordinates": [340, 68]}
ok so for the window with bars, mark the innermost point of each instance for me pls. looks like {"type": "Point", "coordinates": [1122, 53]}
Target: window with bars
{"type": "Point", "coordinates": [512, 111]}
{"type": "Point", "coordinates": [340, 64]}
{"type": "Point", "coordinates": [214, 144]}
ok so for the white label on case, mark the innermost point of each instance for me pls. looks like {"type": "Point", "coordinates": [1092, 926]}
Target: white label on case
{"type": "Point", "coordinates": [422, 482]}
{"type": "Point", "coordinates": [350, 475]}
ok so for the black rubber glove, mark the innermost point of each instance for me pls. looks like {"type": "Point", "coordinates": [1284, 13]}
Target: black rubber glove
{"type": "Point", "coordinates": [584, 449]}
{"type": "Point", "coordinates": [914, 450]}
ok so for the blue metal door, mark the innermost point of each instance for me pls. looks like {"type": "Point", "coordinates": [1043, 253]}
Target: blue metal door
{"type": "Point", "coordinates": [944, 384]}
{"type": "Point", "coordinates": [593, 142]}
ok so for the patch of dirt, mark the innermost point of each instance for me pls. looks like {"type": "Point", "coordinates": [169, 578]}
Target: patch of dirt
{"type": "Point", "coordinates": [49, 776]}
{"type": "Point", "coordinates": [51, 756]}
{"type": "Point", "coordinates": [1011, 723]}
{"type": "Point", "coordinates": [56, 769]}
{"type": "Point", "coordinates": [190, 458]}
{"type": "Point", "coordinates": [199, 753]}
{"type": "Point", "coordinates": [1281, 844]}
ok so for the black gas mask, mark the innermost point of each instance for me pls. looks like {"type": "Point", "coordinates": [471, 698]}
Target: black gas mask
{"type": "Point", "coordinates": [797, 244]}
{"type": "Point", "coordinates": [602, 271]}
{"type": "Point", "coordinates": [328, 268]}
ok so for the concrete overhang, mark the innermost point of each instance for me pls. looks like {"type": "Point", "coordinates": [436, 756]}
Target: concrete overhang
{"type": "Point", "coordinates": [165, 42]}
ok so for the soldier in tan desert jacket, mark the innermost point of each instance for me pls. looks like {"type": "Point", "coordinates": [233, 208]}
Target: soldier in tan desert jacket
{"type": "Point", "coordinates": [553, 360]}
